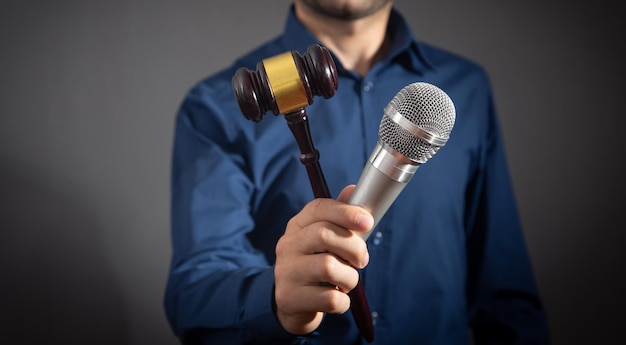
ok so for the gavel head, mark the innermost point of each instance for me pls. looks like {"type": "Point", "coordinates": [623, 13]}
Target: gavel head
{"type": "Point", "coordinates": [285, 83]}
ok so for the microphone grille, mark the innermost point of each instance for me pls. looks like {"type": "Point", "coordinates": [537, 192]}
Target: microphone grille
{"type": "Point", "coordinates": [427, 107]}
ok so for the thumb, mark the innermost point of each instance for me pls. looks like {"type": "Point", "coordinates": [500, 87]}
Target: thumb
{"type": "Point", "coordinates": [345, 194]}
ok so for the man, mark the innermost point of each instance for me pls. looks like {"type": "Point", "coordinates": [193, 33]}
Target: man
{"type": "Point", "coordinates": [252, 251]}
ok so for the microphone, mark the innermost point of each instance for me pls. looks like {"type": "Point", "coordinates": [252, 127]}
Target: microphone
{"type": "Point", "coordinates": [416, 123]}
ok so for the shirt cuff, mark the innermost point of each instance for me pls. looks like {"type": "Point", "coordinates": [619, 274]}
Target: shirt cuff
{"type": "Point", "coordinates": [260, 318]}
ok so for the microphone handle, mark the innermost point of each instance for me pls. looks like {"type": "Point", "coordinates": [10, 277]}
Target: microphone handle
{"type": "Point", "coordinates": [375, 192]}
{"type": "Point", "coordinates": [385, 175]}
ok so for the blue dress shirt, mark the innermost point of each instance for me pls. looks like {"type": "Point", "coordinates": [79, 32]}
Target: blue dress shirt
{"type": "Point", "coordinates": [448, 256]}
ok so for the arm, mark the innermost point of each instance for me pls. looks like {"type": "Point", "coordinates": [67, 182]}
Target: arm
{"type": "Point", "coordinates": [504, 305]}
{"type": "Point", "coordinates": [218, 281]}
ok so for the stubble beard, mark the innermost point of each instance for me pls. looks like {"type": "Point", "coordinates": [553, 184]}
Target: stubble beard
{"type": "Point", "coordinates": [345, 10]}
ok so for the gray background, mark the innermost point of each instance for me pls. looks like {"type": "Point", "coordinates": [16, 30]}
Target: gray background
{"type": "Point", "coordinates": [89, 89]}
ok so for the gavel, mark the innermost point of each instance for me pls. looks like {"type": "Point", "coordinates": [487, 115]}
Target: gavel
{"type": "Point", "coordinates": [286, 84]}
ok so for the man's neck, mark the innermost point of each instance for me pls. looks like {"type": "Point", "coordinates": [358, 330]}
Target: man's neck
{"type": "Point", "coordinates": [358, 43]}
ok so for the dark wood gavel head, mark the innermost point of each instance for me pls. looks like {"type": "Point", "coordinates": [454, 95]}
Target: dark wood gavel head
{"type": "Point", "coordinates": [285, 83]}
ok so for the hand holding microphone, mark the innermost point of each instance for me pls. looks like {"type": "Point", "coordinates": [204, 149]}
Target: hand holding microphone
{"type": "Point", "coordinates": [317, 260]}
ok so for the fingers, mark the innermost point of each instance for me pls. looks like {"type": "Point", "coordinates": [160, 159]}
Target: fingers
{"type": "Point", "coordinates": [301, 296]}
{"type": "Point", "coordinates": [303, 309]}
{"type": "Point", "coordinates": [337, 212]}
{"type": "Point", "coordinates": [313, 299]}
{"type": "Point", "coordinates": [324, 237]}
{"type": "Point", "coordinates": [316, 259]}
{"type": "Point", "coordinates": [326, 225]}
{"type": "Point", "coordinates": [322, 267]}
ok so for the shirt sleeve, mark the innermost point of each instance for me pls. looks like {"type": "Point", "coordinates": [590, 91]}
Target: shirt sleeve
{"type": "Point", "coordinates": [504, 305]}
{"type": "Point", "coordinates": [220, 288]}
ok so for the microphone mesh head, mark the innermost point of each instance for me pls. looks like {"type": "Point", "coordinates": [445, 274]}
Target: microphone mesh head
{"type": "Point", "coordinates": [426, 106]}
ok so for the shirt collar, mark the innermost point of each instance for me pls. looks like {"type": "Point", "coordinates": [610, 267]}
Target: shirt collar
{"type": "Point", "coordinates": [404, 47]}
{"type": "Point", "coordinates": [404, 43]}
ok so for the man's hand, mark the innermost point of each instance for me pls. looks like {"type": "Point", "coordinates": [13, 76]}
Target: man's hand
{"type": "Point", "coordinates": [316, 261]}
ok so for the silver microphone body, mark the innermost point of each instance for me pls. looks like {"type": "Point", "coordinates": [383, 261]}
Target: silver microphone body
{"type": "Point", "coordinates": [385, 175]}
{"type": "Point", "coordinates": [415, 124]}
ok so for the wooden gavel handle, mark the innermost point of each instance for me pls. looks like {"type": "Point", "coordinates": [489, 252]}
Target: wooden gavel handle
{"type": "Point", "coordinates": [309, 156]}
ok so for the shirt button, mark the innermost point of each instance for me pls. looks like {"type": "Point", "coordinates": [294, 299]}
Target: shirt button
{"type": "Point", "coordinates": [378, 238]}
{"type": "Point", "coordinates": [374, 317]}
{"type": "Point", "coordinates": [368, 86]}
